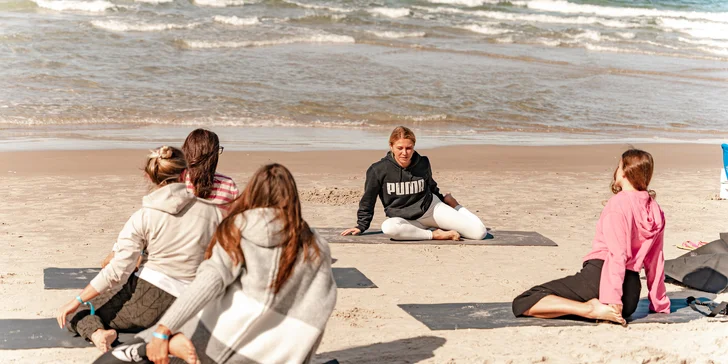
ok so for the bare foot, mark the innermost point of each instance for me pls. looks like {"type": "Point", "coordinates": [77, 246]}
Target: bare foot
{"type": "Point", "coordinates": [181, 347]}
{"type": "Point", "coordinates": [445, 235]}
{"type": "Point", "coordinates": [600, 311]}
{"type": "Point", "coordinates": [103, 339]}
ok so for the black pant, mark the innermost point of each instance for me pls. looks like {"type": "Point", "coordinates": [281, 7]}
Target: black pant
{"type": "Point", "coordinates": [581, 287]}
{"type": "Point", "coordinates": [137, 306]}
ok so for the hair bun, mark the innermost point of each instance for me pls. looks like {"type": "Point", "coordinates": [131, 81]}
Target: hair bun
{"type": "Point", "coordinates": [165, 152]}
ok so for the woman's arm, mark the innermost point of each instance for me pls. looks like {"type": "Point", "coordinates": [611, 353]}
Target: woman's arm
{"type": "Point", "coordinates": [432, 184]}
{"type": "Point", "coordinates": [617, 235]}
{"type": "Point", "coordinates": [213, 276]}
{"type": "Point", "coordinates": [127, 250]}
{"type": "Point", "coordinates": [86, 295]}
{"type": "Point", "coordinates": [655, 274]}
{"type": "Point", "coordinates": [372, 188]}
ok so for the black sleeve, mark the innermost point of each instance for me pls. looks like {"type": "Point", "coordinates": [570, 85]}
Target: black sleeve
{"type": "Point", "coordinates": [433, 185]}
{"type": "Point", "coordinates": [372, 187]}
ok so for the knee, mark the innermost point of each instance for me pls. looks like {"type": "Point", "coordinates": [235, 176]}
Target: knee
{"type": "Point", "coordinates": [390, 226]}
{"type": "Point", "coordinates": [476, 232]}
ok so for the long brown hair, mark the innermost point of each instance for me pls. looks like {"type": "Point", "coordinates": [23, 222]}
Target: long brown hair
{"type": "Point", "coordinates": [201, 150]}
{"type": "Point", "coordinates": [271, 186]}
{"type": "Point", "coordinates": [638, 166]}
{"type": "Point", "coordinates": [165, 165]}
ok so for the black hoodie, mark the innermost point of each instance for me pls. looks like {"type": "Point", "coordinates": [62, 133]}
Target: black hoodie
{"type": "Point", "coordinates": [404, 192]}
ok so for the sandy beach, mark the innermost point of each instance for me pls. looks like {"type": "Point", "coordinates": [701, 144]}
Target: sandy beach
{"type": "Point", "coordinates": [65, 208]}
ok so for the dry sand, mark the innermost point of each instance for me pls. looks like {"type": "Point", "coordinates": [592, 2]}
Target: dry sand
{"type": "Point", "coordinates": [65, 209]}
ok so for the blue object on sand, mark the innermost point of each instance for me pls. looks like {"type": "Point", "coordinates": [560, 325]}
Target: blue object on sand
{"type": "Point", "coordinates": [725, 158]}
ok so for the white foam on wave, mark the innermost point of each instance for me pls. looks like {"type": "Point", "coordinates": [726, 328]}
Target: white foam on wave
{"type": "Point", "coordinates": [234, 20]}
{"type": "Point", "coordinates": [538, 18]}
{"type": "Point", "coordinates": [318, 38]}
{"type": "Point", "coordinates": [471, 3]}
{"type": "Point", "coordinates": [598, 48]}
{"type": "Point", "coordinates": [120, 26]}
{"type": "Point", "coordinates": [390, 12]}
{"type": "Point", "coordinates": [218, 3]}
{"type": "Point", "coordinates": [95, 6]}
{"type": "Point", "coordinates": [320, 7]}
{"type": "Point", "coordinates": [626, 35]}
{"type": "Point", "coordinates": [396, 35]}
{"type": "Point", "coordinates": [705, 42]}
{"type": "Point", "coordinates": [698, 29]}
{"type": "Point", "coordinates": [154, 1]}
{"type": "Point", "coordinates": [566, 7]}
{"type": "Point", "coordinates": [484, 30]}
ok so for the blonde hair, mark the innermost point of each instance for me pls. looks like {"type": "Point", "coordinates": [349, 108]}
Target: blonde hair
{"type": "Point", "coordinates": [165, 165]}
{"type": "Point", "coordinates": [402, 132]}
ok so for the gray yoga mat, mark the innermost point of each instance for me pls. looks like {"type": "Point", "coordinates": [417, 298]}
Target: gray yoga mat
{"type": "Point", "coordinates": [494, 238]}
{"type": "Point", "coordinates": [41, 333]}
{"type": "Point", "coordinates": [458, 316]}
{"type": "Point", "coordinates": [78, 278]}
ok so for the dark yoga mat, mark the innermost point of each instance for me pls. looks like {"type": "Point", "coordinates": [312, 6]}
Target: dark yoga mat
{"type": "Point", "coordinates": [458, 316]}
{"type": "Point", "coordinates": [78, 278]}
{"type": "Point", "coordinates": [41, 333]}
{"type": "Point", "coordinates": [494, 238]}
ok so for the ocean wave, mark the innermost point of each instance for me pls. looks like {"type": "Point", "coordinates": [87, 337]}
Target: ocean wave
{"type": "Point", "coordinates": [390, 12]}
{"type": "Point", "coordinates": [698, 29]}
{"type": "Point", "coordinates": [537, 18]}
{"type": "Point", "coordinates": [218, 3]}
{"type": "Point", "coordinates": [318, 38]}
{"type": "Point", "coordinates": [320, 7]}
{"type": "Point", "coordinates": [566, 7]}
{"type": "Point", "coordinates": [475, 3]}
{"type": "Point", "coordinates": [396, 35]}
{"type": "Point", "coordinates": [705, 42]}
{"type": "Point", "coordinates": [154, 1]}
{"type": "Point", "coordinates": [234, 20]}
{"type": "Point", "coordinates": [598, 48]}
{"type": "Point", "coordinates": [626, 35]}
{"type": "Point", "coordinates": [95, 6]}
{"type": "Point", "coordinates": [484, 30]}
{"type": "Point", "coordinates": [120, 26]}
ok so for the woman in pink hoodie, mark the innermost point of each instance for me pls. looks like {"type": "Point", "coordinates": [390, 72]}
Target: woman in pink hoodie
{"type": "Point", "coordinates": [629, 237]}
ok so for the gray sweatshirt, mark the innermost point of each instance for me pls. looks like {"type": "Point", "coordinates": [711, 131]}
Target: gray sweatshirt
{"type": "Point", "coordinates": [174, 227]}
{"type": "Point", "coordinates": [231, 313]}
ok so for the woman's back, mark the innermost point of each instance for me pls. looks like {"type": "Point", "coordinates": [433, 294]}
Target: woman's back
{"type": "Point", "coordinates": [178, 227]}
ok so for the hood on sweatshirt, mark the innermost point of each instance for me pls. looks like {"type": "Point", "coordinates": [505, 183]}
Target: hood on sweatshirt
{"type": "Point", "coordinates": [413, 161]}
{"type": "Point", "coordinates": [648, 216]}
{"type": "Point", "coordinates": [261, 226]}
{"type": "Point", "coordinates": [172, 198]}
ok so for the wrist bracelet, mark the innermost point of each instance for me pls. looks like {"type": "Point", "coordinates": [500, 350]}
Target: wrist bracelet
{"type": "Point", "coordinates": [89, 304]}
{"type": "Point", "coordinates": [159, 335]}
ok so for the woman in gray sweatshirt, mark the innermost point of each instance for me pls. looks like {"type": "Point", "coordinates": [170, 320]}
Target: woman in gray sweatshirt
{"type": "Point", "coordinates": [173, 227]}
{"type": "Point", "coordinates": [263, 295]}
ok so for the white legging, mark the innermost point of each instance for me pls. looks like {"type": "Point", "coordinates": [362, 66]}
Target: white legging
{"type": "Point", "coordinates": [439, 215]}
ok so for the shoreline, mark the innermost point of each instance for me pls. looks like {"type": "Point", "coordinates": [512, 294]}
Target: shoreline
{"type": "Point", "coordinates": [571, 158]}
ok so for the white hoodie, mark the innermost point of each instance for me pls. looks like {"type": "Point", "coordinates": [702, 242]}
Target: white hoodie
{"type": "Point", "coordinates": [174, 228]}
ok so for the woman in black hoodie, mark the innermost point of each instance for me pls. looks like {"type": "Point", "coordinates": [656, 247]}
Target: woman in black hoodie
{"type": "Point", "coordinates": [412, 202]}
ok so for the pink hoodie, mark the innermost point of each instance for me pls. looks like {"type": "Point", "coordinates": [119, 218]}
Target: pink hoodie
{"type": "Point", "coordinates": [629, 236]}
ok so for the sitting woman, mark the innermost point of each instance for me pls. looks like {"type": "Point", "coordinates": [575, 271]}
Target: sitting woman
{"type": "Point", "coordinates": [173, 227]}
{"type": "Point", "coordinates": [263, 295]}
{"type": "Point", "coordinates": [202, 150]}
{"type": "Point", "coordinates": [629, 236]}
{"type": "Point", "coordinates": [412, 202]}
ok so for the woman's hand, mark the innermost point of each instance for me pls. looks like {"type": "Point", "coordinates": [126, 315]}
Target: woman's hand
{"type": "Point", "coordinates": [158, 349]}
{"type": "Point", "coordinates": [65, 310]}
{"type": "Point", "coordinates": [450, 201]}
{"type": "Point", "coordinates": [352, 231]}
